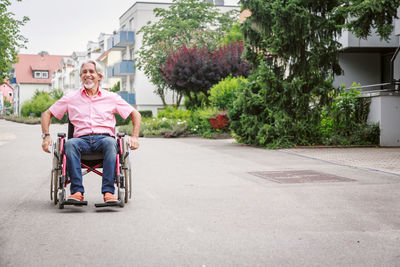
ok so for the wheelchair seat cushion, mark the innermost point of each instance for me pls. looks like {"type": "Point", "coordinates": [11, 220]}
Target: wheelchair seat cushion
{"type": "Point", "coordinates": [93, 156]}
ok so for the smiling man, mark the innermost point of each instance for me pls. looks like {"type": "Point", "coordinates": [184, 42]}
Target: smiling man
{"type": "Point", "coordinates": [91, 110]}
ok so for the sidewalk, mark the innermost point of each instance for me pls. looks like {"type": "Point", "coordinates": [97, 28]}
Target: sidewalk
{"type": "Point", "coordinates": [375, 158]}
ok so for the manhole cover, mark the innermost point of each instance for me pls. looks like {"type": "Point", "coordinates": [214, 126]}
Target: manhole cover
{"type": "Point", "coordinates": [303, 176]}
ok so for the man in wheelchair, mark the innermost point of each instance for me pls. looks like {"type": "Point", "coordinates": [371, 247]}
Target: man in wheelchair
{"type": "Point", "coordinates": [91, 112]}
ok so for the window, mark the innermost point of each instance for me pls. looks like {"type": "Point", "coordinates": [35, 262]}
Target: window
{"type": "Point", "coordinates": [37, 74]}
{"type": "Point", "coordinates": [41, 74]}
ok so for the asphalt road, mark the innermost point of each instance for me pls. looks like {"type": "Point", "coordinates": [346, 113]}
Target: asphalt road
{"type": "Point", "coordinates": [197, 202]}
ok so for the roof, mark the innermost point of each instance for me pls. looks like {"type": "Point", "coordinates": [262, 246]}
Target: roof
{"type": "Point", "coordinates": [103, 56]}
{"type": "Point", "coordinates": [6, 86]}
{"type": "Point", "coordinates": [27, 63]}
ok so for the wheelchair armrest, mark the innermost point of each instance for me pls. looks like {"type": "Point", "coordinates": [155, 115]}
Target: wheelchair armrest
{"type": "Point", "coordinates": [61, 135]}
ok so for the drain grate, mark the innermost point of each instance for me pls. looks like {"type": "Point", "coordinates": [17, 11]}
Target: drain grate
{"type": "Point", "coordinates": [301, 176]}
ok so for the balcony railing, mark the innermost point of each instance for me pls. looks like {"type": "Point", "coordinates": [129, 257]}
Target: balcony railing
{"type": "Point", "coordinates": [350, 41]}
{"type": "Point", "coordinates": [121, 69]}
{"type": "Point", "coordinates": [120, 40]}
{"type": "Point", "coordinates": [125, 67]}
{"type": "Point", "coordinates": [128, 97]}
{"type": "Point", "coordinates": [110, 72]}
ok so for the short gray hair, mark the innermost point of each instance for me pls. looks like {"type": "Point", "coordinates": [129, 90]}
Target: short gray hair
{"type": "Point", "coordinates": [98, 68]}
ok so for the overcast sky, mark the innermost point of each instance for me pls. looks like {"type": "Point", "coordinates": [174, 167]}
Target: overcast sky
{"type": "Point", "coordinates": [61, 27]}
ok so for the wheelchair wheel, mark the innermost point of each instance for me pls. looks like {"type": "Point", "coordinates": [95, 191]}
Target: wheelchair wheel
{"type": "Point", "coordinates": [55, 172]}
{"type": "Point", "coordinates": [127, 178]}
{"type": "Point", "coordinates": [127, 175]}
{"type": "Point", "coordinates": [61, 198]}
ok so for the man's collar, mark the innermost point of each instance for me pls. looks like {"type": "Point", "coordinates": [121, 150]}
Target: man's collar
{"type": "Point", "coordinates": [83, 91]}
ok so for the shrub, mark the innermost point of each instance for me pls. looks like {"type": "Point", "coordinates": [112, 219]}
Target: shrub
{"type": "Point", "coordinates": [223, 93]}
{"type": "Point", "coordinates": [173, 113]}
{"type": "Point", "coordinates": [120, 121]}
{"type": "Point", "coordinates": [220, 121]}
{"type": "Point", "coordinates": [158, 127]}
{"type": "Point", "coordinates": [146, 113]}
{"type": "Point", "coordinates": [62, 121]}
{"type": "Point", "coordinates": [39, 103]}
{"type": "Point", "coordinates": [344, 121]}
{"type": "Point", "coordinates": [116, 87]}
{"type": "Point", "coordinates": [265, 115]}
{"type": "Point", "coordinates": [199, 121]}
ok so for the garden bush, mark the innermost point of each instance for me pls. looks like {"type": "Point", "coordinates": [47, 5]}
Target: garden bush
{"type": "Point", "coordinates": [199, 121]}
{"type": "Point", "coordinates": [265, 114]}
{"type": "Point", "coordinates": [158, 127]}
{"type": "Point", "coordinates": [62, 121]}
{"type": "Point", "coordinates": [223, 93]}
{"type": "Point", "coordinates": [39, 103]}
{"type": "Point", "coordinates": [344, 121]}
{"type": "Point", "coordinates": [173, 113]}
{"type": "Point", "coordinates": [120, 121]}
{"type": "Point", "coordinates": [146, 113]}
{"type": "Point", "coordinates": [220, 121]}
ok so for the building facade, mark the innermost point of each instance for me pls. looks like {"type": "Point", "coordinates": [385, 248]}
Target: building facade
{"type": "Point", "coordinates": [67, 77]}
{"type": "Point", "coordinates": [366, 61]}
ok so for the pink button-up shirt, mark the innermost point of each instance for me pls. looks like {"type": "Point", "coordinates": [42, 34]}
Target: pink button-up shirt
{"type": "Point", "coordinates": [91, 114]}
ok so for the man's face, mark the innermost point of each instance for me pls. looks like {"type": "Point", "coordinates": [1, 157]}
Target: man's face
{"type": "Point", "coordinates": [89, 76]}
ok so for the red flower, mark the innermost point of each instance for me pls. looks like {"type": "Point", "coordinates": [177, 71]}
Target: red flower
{"type": "Point", "coordinates": [220, 121]}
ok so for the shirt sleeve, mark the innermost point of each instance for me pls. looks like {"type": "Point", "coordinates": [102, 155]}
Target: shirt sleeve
{"type": "Point", "coordinates": [59, 108]}
{"type": "Point", "coordinates": [123, 108]}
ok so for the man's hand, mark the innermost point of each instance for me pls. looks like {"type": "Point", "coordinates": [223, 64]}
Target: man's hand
{"type": "Point", "coordinates": [133, 142]}
{"type": "Point", "coordinates": [47, 141]}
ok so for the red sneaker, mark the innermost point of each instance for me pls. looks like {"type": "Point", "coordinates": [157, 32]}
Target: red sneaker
{"type": "Point", "coordinates": [76, 197]}
{"type": "Point", "coordinates": [108, 197]}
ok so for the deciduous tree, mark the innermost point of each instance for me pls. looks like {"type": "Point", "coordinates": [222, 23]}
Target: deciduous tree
{"type": "Point", "coordinates": [185, 22]}
{"type": "Point", "coordinates": [10, 38]}
{"type": "Point", "coordinates": [191, 71]}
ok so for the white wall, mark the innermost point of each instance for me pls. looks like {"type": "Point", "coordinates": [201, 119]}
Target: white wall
{"type": "Point", "coordinates": [141, 13]}
{"type": "Point", "coordinates": [28, 90]}
{"type": "Point", "coordinates": [364, 68]}
{"type": "Point", "coordinates": [385, 109]}
{"type": "Point", "coordinates": [397, 23]}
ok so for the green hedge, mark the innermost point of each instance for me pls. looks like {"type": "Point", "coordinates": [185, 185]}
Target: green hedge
{"type": "Point", "coordinates": [146, 113]}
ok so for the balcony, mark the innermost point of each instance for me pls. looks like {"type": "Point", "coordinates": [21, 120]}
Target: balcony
{"type": "Point", "coordinates": [110, 72]}
{"type": "Point", "coordinates": [351, 43]}
{"type": "Point", "coordinates": [121, 69]}
{"type": "Point", "coordinates": [128, 97]}
{"type": "Point", "coordinates": [124, 68]}
{"type": "Point", "coordinates": [120, 40]}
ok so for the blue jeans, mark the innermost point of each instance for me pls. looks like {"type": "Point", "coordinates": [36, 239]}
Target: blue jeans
{"type": "Point", "coordinates": [74, 147]}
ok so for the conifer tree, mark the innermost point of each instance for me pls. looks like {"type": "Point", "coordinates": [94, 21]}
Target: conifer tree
{"type": "Point", "coordinates": [293, 44]}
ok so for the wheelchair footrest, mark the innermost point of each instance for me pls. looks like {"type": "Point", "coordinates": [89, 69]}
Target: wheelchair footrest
{"type": "Point", "coordinates": [109, 204]}
{"type": "Point", "coordinates": [75, 202]}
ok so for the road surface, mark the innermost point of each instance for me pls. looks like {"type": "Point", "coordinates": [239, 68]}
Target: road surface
{"type": "Point", "coordinates": [199, 202]}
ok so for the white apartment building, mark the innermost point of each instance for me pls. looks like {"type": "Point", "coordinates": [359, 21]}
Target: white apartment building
{"type": "Point", "coordinates": [67, 77]}
{"type": "Point", "coordinates": [368, 62]}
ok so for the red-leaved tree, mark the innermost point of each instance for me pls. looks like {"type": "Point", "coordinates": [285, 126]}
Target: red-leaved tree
{"type": "Point", "coordinates": [229, 61]}
{"type": "Point", "coordinates": [192, 71]}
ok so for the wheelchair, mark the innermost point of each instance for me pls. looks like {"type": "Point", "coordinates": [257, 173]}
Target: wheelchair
{"type": "Point", "coordinates": [59, 179]}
